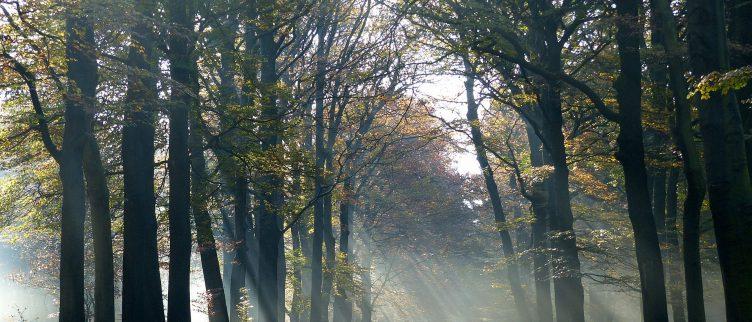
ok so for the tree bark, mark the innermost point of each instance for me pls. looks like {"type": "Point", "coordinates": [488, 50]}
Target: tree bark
{"type": "Point", "coordinates": [676, 298]}
{"type": "Point", "coordinates": [740, 54]}
{"type": "Point", "coordinates": [81, 96]}
{"type": "Point", "coordinates": [270, 195]}
{"type": "Point", "coordinates": [366, 301]}
{"type": "Point", "coordinates": [142, 288]}
{"type": "Point", "coordinates": [184, 88]}
{"type": "Point", "coordinates": [318, 304]}
{"type": "Point", "coordinates": [541, 269]}
{"type": "Point", "coordinates": [238, 277]}
{"type": "Point", "coordinates": [631, 155]}
{"type": "Point", "coordinates": [98, 194]}
{"type": "Point", "coordinates": [207, 248]}
{"type": "Point", "coordinates": [691, 161]}
{"type": "Point", "coordinates": [343, 305]}
{"type": "Point", "coordinates": [726, 165]}
{"type": "Point", "coordinates": [493, 194]}
{"type": "Point", "coordinates": [569, 293]}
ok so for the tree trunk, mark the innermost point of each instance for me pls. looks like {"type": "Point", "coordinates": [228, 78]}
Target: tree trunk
{"type": "Point", "coordinates": [231, 172]}
{"type": "Point", "coordinates": [725, 158]}
{"type": "Point", "coordinates": [740, 54]}
{"type": "Point", "coordinates": [493, 194]}
{"type": "Point", "coordinates": [270, 196]}
{"type": "Point", "coordinates": [184, 87]}
{"type": "Point", "coordinates": [692, 164]}
{"type": "Point", "coordinates": [569, 294]}
{"type": "Point", "coordinates": [318, 304]}
{"type": "Point", "coordinates": [238, 276]}
{"type": "Point", "coordinates": [81, 96]}
{"type": "Point", "coordinates": [297, 306]}
{"type": "Point", "coordinates": [568, 290]}
{"type": "Point", "coordinates": [659, 202]}
{"type": "Point", "coordinates": [631, 155]}
{"type": "Point", "coordinates": [207, 248]}
{"type": "Point", "coordinates": [330, 265]}
{"type": "Point", "coordinates": [541, 270]}
{"type": "Point", "coordinates": [343, 306]}
{"type": "Point", "coordinates": [142, 288]}
{"type": "Point", "coordinates": [672, 239]}
{"type": "Point", "coordinates": [98, 194]}
{"type": "Point", "coordinates": [366, 302]}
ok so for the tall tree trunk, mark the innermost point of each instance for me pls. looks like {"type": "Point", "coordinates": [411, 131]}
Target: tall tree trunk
{"type": "Point", "coordinates": [729, 185]}
{"type": "Point", "coordinates": [142, 288]}
{"type": "Point", "coordinates": [521, 235]}
{"type": "Point", "coordinates": [238, 277]}
{"type": "Point", "coordinates": [366, 301]}
{"type": "Point", "coordinates": [318, 304]}
{"type": "Point", "coordinates": [343, 305]}
{"type": "Point", "coordinates": [659, 202]}
{"type": "Point", "coordinates": [81, 96]}
{"type": "Point", "coordinates": [238, 261]}
{"type": "Point", "coordinates": [184, 88]}
{"type": "Point", "coordinates": [541, 270]}
{"type": "Point", "coordinates": [692, 163]}
{"type": "Point", "coordinates": [297, 305]}
{"type": "Point", "coordinates": [631, 155]}
{"type": "Point", "coordinates": [740, 54]}
{"type": "Point", "coordinates": [568, 290]}
{"type": "Point", "coordinates": [676, 285]}
{"type": "Point", "coordinates": [270, 195]}
{"type": "Point", "coordinates": [329, 242]}
{"type": "Point", "coordinates": [493, 194]}
{"type": "Point", "coordinates": [98, 194]}
{"type": "Point", "coordinates": [217, 309]}
{"type": "Point", "coordinates": [569, 294]}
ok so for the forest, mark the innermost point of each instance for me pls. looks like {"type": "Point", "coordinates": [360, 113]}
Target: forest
{"type": "Point", "coordinates": [376, 160]}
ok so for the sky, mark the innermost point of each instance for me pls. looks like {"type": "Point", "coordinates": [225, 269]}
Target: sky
{"type": "Point", "coordinates": [448, 94]}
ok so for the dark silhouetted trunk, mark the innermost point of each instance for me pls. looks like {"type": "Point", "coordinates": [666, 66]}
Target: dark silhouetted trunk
{"type": "Point", "coordinates": [318, 304]}
{"type": "Point", "coordinates": [98, 194]}
{"type": "Point", "coordinates": [182, 100]}
{"type": "Point", "coordinates": [237, 281]}
{"type": "Point", "coordinates": [692, 163]}
{"type": "Point", "coordinates": [676, 283]}
{"type": "Point", "coordinates": [142, 288]}
{"type": "Point", "coordinates": [366, 301]}
{"type": "Point", "coordinates": [493, 194]}
{"type": "Point", "coordinates": [740, 54]}
{"type": "Point", "coordinates": [237, 261]}
{"type": "Point", "coordinates": [207, 248]}
{"type": "Point", "coordinates": [327, 281]}
{"type": "Point", "coordinates": [270, 195]}
{"type": "Point", "coordinates": [631, 155]}
{"type": "Point", "coordinates": [539, 242]}
{"type": "Point", "coordinates": [343, 306]}
{"type": "Point", "coordinates": [729, 186]}
{"type": "Point", "coordinates": [80, 97]}
{"type": "Point", "coordinates": [569, 294]}
{"type": "Point", "coordinates": [659, 202]}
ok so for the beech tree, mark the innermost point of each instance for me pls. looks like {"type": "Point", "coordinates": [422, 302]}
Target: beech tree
{"type": "Point", "coordinates": [375, 160]}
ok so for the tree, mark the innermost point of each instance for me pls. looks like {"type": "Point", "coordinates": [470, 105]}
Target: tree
{"type": "Point", "coordinates": [493, 193]}
{"type": "Point", "coordinates": [631, 155]}
{"type": "Point", "coordinates": [142, 288]}
{"type": "Point", "coordinates": [729, 188]}
{"type": "Point", "coordinates": [184, 88]}
{"type": "Point", "coordinates": [81, 90]}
